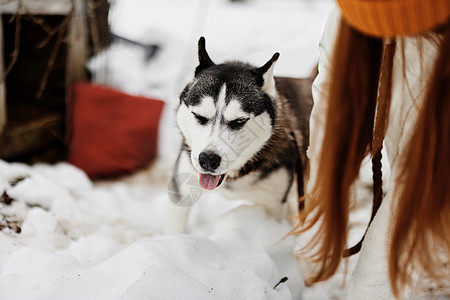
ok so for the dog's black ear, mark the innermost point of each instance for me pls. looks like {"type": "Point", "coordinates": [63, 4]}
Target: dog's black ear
{"type": "Point", "coordinates": [265, 75]}
{"type": "Point", "coordinates": [268, 65]}
{"type": "Point", "coordinates": [203, 57]}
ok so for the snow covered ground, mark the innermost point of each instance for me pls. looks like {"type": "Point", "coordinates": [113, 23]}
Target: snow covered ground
{"type": "Point", "coordinates": [65, 237]}
{"type": "Point", "coordinates": [83, 241]}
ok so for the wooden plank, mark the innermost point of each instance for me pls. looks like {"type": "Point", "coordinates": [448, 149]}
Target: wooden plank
{"type": "Point", "coordinates": [37, 7]}
{"type": "Point", "coordinates": [2, 82]}
{"type": "Point", "coordinates": [77, 54]}
{"type": "Point", "coordinates": [77, 43]}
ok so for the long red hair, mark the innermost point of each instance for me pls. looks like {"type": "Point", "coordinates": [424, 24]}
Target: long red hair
{"type": "Point", "coordinates": [421, 223]}
{"type": "Point", "coordinates": [422, 212]}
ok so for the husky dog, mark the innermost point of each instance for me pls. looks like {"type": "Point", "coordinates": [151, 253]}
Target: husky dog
{"type": "Point", "coordinates": [240, 135]}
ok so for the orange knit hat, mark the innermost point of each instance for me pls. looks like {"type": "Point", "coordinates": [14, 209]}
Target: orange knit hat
{"type": "Point", "coordinates": [394, 17]}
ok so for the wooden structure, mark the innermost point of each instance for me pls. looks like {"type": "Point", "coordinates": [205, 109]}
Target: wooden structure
{"type": "Point", "coordinates": [44, 46]}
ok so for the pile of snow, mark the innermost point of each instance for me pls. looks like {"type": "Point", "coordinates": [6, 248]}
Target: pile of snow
{"type": "Point", "coordinates": [83, 241]}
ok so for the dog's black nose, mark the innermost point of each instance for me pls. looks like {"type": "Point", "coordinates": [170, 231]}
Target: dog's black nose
{"type": "Point", "coordinates": [209, 161]}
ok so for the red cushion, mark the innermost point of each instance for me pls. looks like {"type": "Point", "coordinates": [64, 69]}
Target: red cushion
{"type": "Point", "coordinates": [112, 133]}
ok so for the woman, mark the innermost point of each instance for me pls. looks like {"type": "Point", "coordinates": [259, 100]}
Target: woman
{"type": "Point", "coordinates": [384, 74]}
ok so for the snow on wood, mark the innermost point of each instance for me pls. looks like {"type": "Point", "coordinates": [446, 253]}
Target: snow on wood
{"type": "Point", "coordinates": [42, 7]}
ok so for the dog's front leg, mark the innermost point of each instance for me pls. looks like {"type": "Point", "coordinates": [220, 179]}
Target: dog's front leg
{"type": "Point", "coordinates": [182, 194]}
{"type": "Point", "coordinates": [176, 218]}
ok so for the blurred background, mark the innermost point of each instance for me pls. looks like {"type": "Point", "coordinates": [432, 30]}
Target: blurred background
{"type": "Point", "coordinates": [145, 48]}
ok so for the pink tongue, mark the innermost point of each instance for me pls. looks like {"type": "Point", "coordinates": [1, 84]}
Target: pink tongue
{"type": "Point", "coordinates": [208, 181]}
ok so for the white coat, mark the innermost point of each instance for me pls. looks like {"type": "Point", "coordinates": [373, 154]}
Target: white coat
{"type": "Point", "coordinates": [370, 277]}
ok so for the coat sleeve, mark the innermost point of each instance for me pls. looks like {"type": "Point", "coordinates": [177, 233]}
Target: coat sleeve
{"type": "Point", "coordinates": [320, 94]}
{"type": "Point", "coordinates": [369, 280]}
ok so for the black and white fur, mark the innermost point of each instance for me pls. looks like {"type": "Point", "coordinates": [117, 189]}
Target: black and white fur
{"type": "Point", "coordinates": [240, 134]}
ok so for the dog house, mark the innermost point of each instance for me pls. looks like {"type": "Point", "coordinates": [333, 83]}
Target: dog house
{"type": "Point", "coordinates": [44, 45]}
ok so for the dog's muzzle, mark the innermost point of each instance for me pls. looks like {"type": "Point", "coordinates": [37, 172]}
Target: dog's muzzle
{"type": "Point", "coordinates": [209, 162]}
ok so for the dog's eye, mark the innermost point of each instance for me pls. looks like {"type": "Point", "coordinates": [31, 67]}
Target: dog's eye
{"type": "Point", "coordinates": [201, 119]}
{"type": "Point", "coordinates": [238, 123]}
